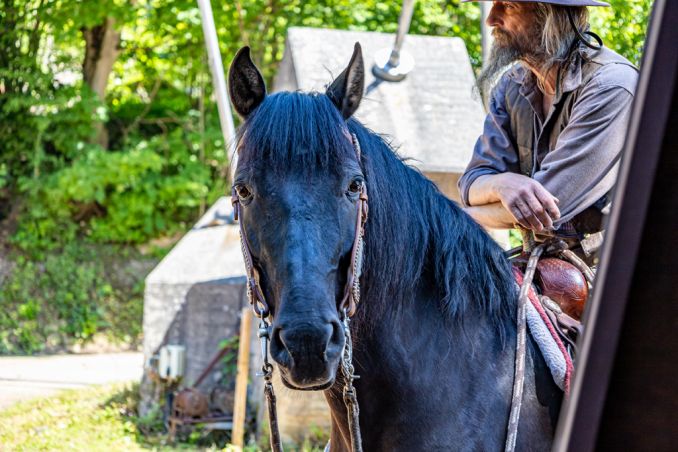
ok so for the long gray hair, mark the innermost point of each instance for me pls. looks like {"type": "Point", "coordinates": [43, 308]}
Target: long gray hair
{"type": "Point", "coordinates": [558, 36]}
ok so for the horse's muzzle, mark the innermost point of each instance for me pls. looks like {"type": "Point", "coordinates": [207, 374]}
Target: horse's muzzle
{"type": "Point", "coordinates": [307, 353]}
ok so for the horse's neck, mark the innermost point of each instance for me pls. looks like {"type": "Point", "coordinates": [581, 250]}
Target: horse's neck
{"type": "Point", "coordinates": [401, 355]}
{"type": "Point", "coordinates": [418, 327]}
{"type": "Point", "coordinates": [425, 379]}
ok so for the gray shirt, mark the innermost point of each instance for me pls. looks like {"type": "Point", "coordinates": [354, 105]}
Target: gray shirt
{"type": "Point", "coordinates": [574, 151]}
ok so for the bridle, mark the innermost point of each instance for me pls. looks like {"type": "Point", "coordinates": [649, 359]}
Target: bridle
{"type": "Point", "coordinates": [347, 308]}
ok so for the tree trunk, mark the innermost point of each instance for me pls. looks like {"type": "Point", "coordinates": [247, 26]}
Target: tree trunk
{"type": "Point", "coordinates": [102, 49]}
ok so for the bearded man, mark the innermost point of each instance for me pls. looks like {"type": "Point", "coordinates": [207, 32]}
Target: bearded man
{"type": "Point", "coordinates": [548, 156]}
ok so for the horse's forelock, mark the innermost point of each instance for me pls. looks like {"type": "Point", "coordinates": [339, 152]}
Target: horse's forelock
{"type": "Point", "coordinates": [291, 131]}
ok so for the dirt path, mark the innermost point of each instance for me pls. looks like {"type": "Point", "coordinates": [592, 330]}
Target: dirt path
{"type": "Point", "coordinates": [27, 377]}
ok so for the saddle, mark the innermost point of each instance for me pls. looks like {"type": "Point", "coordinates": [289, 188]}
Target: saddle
{"type": "Point", "coordinates": [562, 290]}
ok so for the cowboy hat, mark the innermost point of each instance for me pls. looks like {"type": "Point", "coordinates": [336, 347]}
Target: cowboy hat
{"type": "Point", "coordinates": [554, 2]}
{"type": "Point", "coordinates": [580, 33]}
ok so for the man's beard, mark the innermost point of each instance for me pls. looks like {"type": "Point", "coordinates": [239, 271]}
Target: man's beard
{"type": "Point", "coordinates": [507, 49]}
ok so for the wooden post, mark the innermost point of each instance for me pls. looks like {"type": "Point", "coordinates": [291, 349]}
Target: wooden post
{"type": "Point", "coordinates": [240, 404]}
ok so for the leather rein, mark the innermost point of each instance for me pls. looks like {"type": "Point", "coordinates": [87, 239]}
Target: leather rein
{"type": "Point", "coordinates": [347, 308]}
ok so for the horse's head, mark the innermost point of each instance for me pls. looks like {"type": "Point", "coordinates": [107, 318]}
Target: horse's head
{"type": "Point", "coordinates": [298, 182]}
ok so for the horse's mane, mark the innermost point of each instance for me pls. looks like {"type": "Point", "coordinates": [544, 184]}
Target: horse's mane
{"type": "Point", "coordinates": [412, 226]}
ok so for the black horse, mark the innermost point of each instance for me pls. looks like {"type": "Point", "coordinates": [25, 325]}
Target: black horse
{"type": "Point", "coordinates": [435, 331]}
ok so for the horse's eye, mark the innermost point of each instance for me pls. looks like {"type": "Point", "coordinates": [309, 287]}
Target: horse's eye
{"type": "Point", "coordinates": [356, 186]}
{"type": "Point", "coordinates": [243, 191]}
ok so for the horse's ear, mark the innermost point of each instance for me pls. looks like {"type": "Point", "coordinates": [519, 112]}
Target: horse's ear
{"type": "Point", "coordinates": [346, 91]}
{"type": "Point", "coordinates": [245, 83]}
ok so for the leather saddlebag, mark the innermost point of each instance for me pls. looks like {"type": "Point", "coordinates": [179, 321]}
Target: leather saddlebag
{"type": "Point", "coordinates": [563, 283]}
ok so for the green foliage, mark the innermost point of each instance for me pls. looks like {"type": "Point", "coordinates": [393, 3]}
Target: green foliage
{"type": "Point", "coordinates": [229, 363]}
{"type": "Point", "coordinates": [129, 196]}
{"type": "Point", "coordinates": [166, 159]}
{"type": "Point", "coordinates": [68, 297]}
{"type": "Point", "coordinates": [43, 117]}
{"type": "Point", "coordinates": [623, 26]}
{"type": "Point", "coordinates": [315, 439]}
{"type": "Point", "coordinates": [515, 238]}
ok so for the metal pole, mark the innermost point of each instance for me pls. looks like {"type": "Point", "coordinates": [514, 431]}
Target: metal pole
{"type": "Point", "coordinates": [217, 69]}
{"type": "Point", "coordinates": [403, 28]}
{"type": "Point", "coordinates": [393, 65]}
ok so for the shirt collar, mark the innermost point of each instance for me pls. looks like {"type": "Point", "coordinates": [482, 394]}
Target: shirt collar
{"type": "Point", "coordinates": [527, 82]}
{"type": "Point", "coordinates": [571, 77]}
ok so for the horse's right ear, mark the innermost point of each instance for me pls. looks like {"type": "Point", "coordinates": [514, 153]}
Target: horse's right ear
{"type": "Point", "coordinates": [346, 91]}
{"type": "Point", "coordinates": [245, 84]}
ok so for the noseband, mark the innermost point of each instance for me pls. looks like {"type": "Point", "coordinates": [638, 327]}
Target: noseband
{"type": "Point", "coordinates": [346, 307]}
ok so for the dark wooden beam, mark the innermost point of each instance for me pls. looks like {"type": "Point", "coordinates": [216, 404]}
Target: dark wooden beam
{"type": "Point", "coordinates": [624, 394]}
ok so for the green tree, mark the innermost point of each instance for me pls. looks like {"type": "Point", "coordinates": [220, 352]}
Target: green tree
{"type": "Point", "coordinates": [110, 137]}
{"type": "Point", "coordinates": [623, 26]}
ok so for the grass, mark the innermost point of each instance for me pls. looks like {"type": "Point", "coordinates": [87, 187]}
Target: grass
{"type": "Point", "coordinates": [515, 238]}
{"type": "Point", "coordinates": [102, 418]}
{"type": "Point", "coordinates": [95, 419]}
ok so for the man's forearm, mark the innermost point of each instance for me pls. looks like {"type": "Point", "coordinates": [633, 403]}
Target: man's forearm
{"type": "Point", "coordinates": [521, 200]}
{"type": "Point", "coordinates": [492, 216]}
{"type": "Point", "coordinates": [481, 191]}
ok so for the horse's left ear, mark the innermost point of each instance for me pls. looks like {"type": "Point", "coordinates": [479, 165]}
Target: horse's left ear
{"type": "Point", "coordinates": [245, 84]}
{"type": "Point", "coordinates": [346, 91]}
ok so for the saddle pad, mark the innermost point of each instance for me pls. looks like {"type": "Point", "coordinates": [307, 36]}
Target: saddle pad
{"type": "Point", "coordinates": [544, 334]}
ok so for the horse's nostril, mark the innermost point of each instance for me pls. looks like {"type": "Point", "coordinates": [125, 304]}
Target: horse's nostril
{"type": "Point", "coordinates": [337, 332]}
{"type": "Point", "coordinates": [277, 339]}
{"type": "Point", "coordinates": [279, 349]}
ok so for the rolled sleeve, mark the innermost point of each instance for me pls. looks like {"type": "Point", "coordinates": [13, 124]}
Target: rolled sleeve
{"type": "Point", "coordinates": [584, 164]}
{"type": "Point", "coordinates": [494, 151]}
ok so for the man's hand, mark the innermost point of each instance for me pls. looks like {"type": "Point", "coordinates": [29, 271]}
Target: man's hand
{"type": "Point", "coordinates": [526, 199]}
